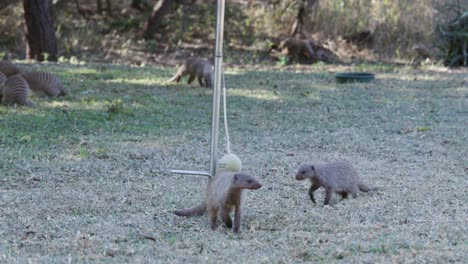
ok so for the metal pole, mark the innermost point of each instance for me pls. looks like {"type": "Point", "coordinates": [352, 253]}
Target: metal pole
{"type": "Point", "coordinates": [217, 86]}
{"type": "Point", "coordinates": [218, 71]}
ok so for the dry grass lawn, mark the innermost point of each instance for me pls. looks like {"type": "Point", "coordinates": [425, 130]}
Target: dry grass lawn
{"type": "Point", "coordinates": [85, 178]}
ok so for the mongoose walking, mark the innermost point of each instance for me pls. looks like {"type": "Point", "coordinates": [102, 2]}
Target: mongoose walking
{"type": "Point", "coordinates": [15, 91]}
{"type": "Point", "coordinates": [45, 82]}
{"type": "Point", "coordinates": [196, 68]}
{"type": "Point", "coordinates": [8, 68]}
{"type": "Point", "coordinates": [338, 176]}
{"type": "Point", "coordinates": [224, 194]}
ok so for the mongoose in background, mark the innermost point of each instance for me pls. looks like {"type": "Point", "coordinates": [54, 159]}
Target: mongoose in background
{"type": "Point", "coordinates": [338, 176]}
{"type": "Point", "coordinates": [224, 194]}
{"type": "Point", "coordinates": [8, 68]}
{"type": "Point", "coordinates": [45, 82]}
{"type": "Point", "coordinates": [305, 51]}
{"type": "Point", "coordinates": [15, 91]}
{"type": "Point", "coordinates": [196, 68]}
{"type": "Point", "coordinates": [297, 50]}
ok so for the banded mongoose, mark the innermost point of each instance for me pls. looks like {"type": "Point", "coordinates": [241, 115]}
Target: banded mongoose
{"type": "Point", "coordinates": [45, 82]}
{"type": "Point", "coordinates": [198, 68]}
{"type": "Point", "coordinates": [224, 194]}
{"type": "Point", "coordinates": [15, 91]}
{"type": "Point", "coordinates": [338, 176]}
{"type": "Point", "coordinates": [8, 68]}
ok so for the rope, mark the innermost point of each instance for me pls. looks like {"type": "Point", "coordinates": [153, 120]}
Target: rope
{"type": "Point", "coordinates": [228, 141]}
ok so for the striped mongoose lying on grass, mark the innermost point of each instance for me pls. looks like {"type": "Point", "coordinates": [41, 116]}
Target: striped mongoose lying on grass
{"type": "Point", "coordinates": [224, 194]}
{"type": "Point", "coordinates": [338, 176]}
{"type": "Point", "coordinates": [15, 91]}
{"type": "Point", "coordinates": [196, 68]}
{"type": "Point", "coordinates": [45, 82]}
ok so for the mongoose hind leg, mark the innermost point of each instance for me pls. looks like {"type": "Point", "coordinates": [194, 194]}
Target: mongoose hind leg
{"type": "Point", "coordinates": [312, 189]}
{"type": "Point", "coordinates": [328, 195]}
{"type": "Point", "coordinates": [200, 81]}
{"type": "Point", "coordinates": [213, 217]}
{"type": "Point", "coordinates": [226, 218]}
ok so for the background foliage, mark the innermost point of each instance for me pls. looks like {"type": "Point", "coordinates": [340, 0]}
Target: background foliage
{"type": "Point", "coordinates": [397, 27]}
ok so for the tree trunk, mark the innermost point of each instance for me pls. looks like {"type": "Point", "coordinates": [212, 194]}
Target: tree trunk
{"type": "Point", "coordinates": [108, 7]}
{"type": "Point", "coordinates": [137, 5]}
{"type": "Point", "coordinates": [161, 8]}
{"type": "Point", "coordinates": [40, 32]}
{"type": "Point", "coordinates": [298, 26]}
{"type": "Point", "coordinates": [99, 6]}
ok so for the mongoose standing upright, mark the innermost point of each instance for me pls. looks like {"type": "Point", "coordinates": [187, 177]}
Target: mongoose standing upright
{"type": "Point", "coordinates": [196, 68]}
{"type": "Point", "coordinates": [224, 194]}
{"type": "Point", "coordinates": [338, 176]}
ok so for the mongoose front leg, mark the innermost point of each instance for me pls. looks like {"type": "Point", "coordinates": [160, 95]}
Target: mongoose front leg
{"type": "Point", "coordinates": [200, 81]}
{"type": "Point", "coordinates": [226, 218]}
{"type": "Point", "coordinates": [237, 219]}
{"type": "Point", "coordinates": [328, 195]}
{"type": "Point", "coordinates": [213, 217]}
{"type": "Point", "coordinates": [312, 189]}
{"type": "Point", "coordinates": [344, 195]}
{"type": "Point", "coordinates": [191, 78]}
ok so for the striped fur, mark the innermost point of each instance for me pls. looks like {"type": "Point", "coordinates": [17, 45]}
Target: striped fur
{"type": "Point", "coordinates": [2, 77]}
{"type": "Point", "coordinates": [15, 91]}
{"type": "Point", "coordinates": [45, 82]}
{"type": "Point", "coordinates": [8, 68]}
{"type": "Point", "coordinates": [2, 80]}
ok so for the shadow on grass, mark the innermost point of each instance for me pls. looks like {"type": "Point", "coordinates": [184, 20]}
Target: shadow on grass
{"type": "Point", "coordinates": [118, 101]}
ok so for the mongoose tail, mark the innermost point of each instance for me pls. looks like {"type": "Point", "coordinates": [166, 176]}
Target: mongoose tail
{"type": "Point", "coordinates": [365, 188]}
{"type": "Point", "coordinates": [194, 211]}
{"type": "Point", "coordinates": [176, 77]}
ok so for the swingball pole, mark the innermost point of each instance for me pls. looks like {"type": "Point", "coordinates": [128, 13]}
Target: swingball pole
{"type": "Point", "coordinates": [216, 96]}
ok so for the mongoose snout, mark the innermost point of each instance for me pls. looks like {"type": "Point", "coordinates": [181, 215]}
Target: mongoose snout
{"type": "Point", "coordinates": [244, 181]}
{"type": "Point", "coordinates": [256, 186]}
{"type": "Point", "coordinates": [304, 171]}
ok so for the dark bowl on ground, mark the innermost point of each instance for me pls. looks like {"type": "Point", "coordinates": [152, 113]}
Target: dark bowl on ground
{"type": "Point", "coordinates": [346, 77]}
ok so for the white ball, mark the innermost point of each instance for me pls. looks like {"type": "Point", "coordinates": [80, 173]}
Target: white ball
{"type": "Point", "coordinates": [230, 162]}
